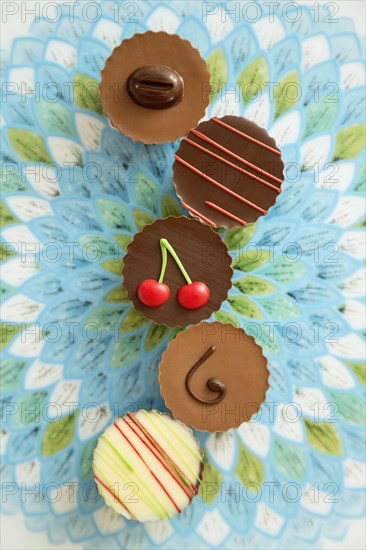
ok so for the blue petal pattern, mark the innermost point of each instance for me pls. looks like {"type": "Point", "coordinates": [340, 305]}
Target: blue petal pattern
{"type": "Point", "coordinates": [88, 346]}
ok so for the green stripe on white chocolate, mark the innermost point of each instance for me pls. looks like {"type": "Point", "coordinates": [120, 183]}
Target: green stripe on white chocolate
{"type": "Point", "coordinates": [122, 479]}
{"type": "Point", "coordinates": [152, 417]}
{"type": "Point", "coordinates": [145, 458]}
{"type": "Point", "coordinates": [148, 496]}
{"type": "Point", "coordinates": [178, 459]}
{"type": "Point", "coordinates": [170, 426]}
{"type": "Point", "coordinates": [129, 466]}
{"type": "Point", "coordinates": [108, 497]}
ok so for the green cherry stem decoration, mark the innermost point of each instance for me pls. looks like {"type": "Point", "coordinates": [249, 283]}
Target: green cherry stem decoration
{"type": "Point", "coordinates": [165, 245]}
{"type": "Point", "coordinates": [193, 295]}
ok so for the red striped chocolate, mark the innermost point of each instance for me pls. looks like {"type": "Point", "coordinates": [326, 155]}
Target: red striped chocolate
{"type": "Point", "coordinates": [228, 171]}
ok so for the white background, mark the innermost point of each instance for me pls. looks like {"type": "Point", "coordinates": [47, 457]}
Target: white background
{"type": "Point", "coordinates": [14, 535]}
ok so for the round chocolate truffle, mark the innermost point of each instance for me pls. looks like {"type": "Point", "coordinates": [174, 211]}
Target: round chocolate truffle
{"type": "Point", "coordinates": [213, 377]}
{"type": "Point", "coordinates": [155, 87]}
{"type": "Point", "coordinates": [228, 171]}
{"type": "Point", "coordinates": [177, 271]}
{"type": "Point", "coordinates": [147, 466]}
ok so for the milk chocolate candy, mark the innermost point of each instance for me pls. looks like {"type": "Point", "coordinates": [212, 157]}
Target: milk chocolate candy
{"type": "Point", "coordinates": [155, 87]}
{"type": "Point", "coordinates": [213, 376]}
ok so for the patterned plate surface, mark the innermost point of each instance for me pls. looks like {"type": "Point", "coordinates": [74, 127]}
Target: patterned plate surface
{"type": "Point", "coordinates": [75, 352]}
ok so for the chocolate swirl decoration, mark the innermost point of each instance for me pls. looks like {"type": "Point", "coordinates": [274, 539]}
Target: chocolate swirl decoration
{"type": "Point", "coordinates": [213, 384]}
{"type": "Point", "coordinates": [155, 86]}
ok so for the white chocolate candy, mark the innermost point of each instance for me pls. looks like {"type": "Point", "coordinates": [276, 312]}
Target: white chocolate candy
{"type": "Point", "coordinates": [147, 466]}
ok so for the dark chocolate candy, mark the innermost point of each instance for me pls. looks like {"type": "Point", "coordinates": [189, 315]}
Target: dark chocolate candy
{"type": "Point", "coordinates": [139, 112]}
{"type": "Point", "coordinates": [228, 171]}
{"type": "Point", "coordinates": [202, 253]}
{"type": "Point", "coordinates": [213, 384]}
{"type": "Point", "coordinates": [155, 87]}
{"type": "Point", "coordinates": [213, 377]}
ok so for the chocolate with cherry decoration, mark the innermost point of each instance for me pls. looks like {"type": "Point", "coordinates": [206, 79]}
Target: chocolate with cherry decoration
{"type": "Point", "coordinates": [192, 295]}
{"type": "Point", "coordinates": [177, 271]}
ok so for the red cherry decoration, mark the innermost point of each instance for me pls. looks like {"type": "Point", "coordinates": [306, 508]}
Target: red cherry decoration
{"type": "Point", "coordinates": [193, 295]}
{"type": "Point", "coordinates": [152, 293]}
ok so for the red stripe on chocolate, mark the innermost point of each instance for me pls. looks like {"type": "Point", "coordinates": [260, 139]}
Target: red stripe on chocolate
{"type": "Point", "coordinates": [114, 495]}
{"type": "Point", "coordinates": [219, 185]}
{"type": "Point", "coordinates": [156, 455]}
{"type": "Point", "coordinates": [235, 156]}
{"type": "Point", "coordinates": [250, 138]}
{"type": "Point", "coordinates": [193, 211]}
{"type": "Point", "coordinates": [222, 159]}
{"type": "Point", "coordinates": [169, 460]}
{"type": "Point", "coordinates": [151, 472]}
{"type": "Point", "coordinates": [228, 214]}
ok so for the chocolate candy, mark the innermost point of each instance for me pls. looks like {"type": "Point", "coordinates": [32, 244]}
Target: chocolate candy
{"type": "Point", "coordinates": [155, 87]}
{"type": "Point", "coordinates": [152, 293]}
{"type": "Point", "coordinates": [147, 466]}
{"type": "Point", "coordinates": [228, 171]}
{"type": "Point", "coordinates": [177, 271]}
{"type": "Point", "coordinates": [213, 384]}
{"type": "Point", "coordinates": [213, 377]}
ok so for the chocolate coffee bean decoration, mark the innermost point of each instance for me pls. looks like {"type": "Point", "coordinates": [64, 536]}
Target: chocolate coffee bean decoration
{"type": "Point", "coordinates": [155, 86]}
